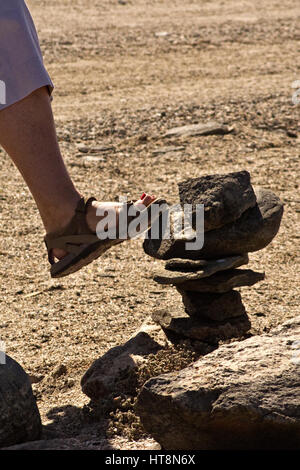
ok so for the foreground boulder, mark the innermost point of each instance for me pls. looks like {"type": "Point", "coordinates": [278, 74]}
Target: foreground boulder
{"type": "Point", "coordinates": [19, 416]}
{"type": "Point", "coordinates": [100, 379]}
{"type": "Point", "coordinates": [244, 395]}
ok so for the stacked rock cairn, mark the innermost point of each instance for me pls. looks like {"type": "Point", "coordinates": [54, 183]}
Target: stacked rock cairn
{"type": "Point", "coordinates": [238, 219]}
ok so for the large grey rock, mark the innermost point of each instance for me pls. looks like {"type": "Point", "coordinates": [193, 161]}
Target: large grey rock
{"type": "Point", "coordinates": [201, 329]}
{"type": "Point", "coordinates": [208, 128]}
{"type": "Point", "coordinates": [225, 197]}
{"type": "Point", "coordinates": [19, 416]}
{"type": "Point", "coordinates": [223, 281]}
{"type": "Point", "coordinates": [200, 269]}
{"type": "Point", "coordinates": [253, 231]}
{"type": "Point", "coordinates": [100, 379]}
{"type": "Point", "coordinates": [244, 395]}
{"type": "Point", "coordinates": [217, 307]}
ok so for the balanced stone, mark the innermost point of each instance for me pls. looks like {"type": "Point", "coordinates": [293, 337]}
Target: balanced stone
{"type": "Point", "coordinates": [253, 231]}
{"type": "Point", "coordinates": [201, 329]}
{"type": "Point", "coordinates": [225, 197]}
{"type": "Point", "coordinates": [217, 307]}
{"type": "Point", "coordinates": [201, 269]}
{"type": "Point", "coordinates": [223, 281]}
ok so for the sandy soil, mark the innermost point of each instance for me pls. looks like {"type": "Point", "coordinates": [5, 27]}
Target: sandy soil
{"type": "Point", "coordinates": [124, 74]}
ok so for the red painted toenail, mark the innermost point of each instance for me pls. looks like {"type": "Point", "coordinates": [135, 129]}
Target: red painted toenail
{"type": "Point", "coordinates": [143, 196]}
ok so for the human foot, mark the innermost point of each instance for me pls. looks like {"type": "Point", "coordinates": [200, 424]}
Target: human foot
{"type": "Point", "coordinates": [96, 207]}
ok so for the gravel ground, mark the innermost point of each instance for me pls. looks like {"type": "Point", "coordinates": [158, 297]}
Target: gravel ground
{"type": "Point", "coordinates": [124, 75]}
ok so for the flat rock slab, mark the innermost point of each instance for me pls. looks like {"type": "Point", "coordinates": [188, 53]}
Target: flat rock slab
{"type": "Point", "coordinates": [254, 230]}
{"type": "Point", "coordinates": [202, 329]}
{"type": "Point", "coordinates": [208, 128]}
{"type": "Point", "coordinates": [223, 281]}
{"type": "Point", "coordinates": [100, 379]}
{"type": "Point", "coordinates": [200, 269]}
{"type": "Point", "coordinates": [19, 416]}
{"type": "Point", "coordinates": [243, 395]}
{"type": "Point", "coordinates": [98, 149]}
{"type": "Point", "coordinates": [225, 197]}
{"type": "Point", "coordinates": [216, 307]}
{"type": "Point", "coordinates": [163, 150]}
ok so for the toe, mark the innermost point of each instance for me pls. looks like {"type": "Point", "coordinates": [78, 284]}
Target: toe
{"type": "Point", "coordinates": [58, 253]}
{"type": "Point", "coordinates": [146, 200]}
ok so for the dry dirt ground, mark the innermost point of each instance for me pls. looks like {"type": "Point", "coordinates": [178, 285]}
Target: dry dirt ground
{"type": "Point", "coordinates": [125, 72]}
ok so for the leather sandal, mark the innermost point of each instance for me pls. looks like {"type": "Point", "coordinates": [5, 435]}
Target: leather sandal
{"type": "Point", "coordinates": [82, 244]}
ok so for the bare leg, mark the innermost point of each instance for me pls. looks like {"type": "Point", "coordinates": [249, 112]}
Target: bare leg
{"type": "Point", "coordinates": [27, 133]}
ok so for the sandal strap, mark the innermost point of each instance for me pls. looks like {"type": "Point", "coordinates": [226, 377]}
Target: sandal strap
{"type": "Point", "coordinates": [78, 233]}
{"type": "Point", "coordinates": [75, 233]}
{"type": "Point", "coordinates": [83, 204]}
{"type": "Point", "coordinates": [70, 242]}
